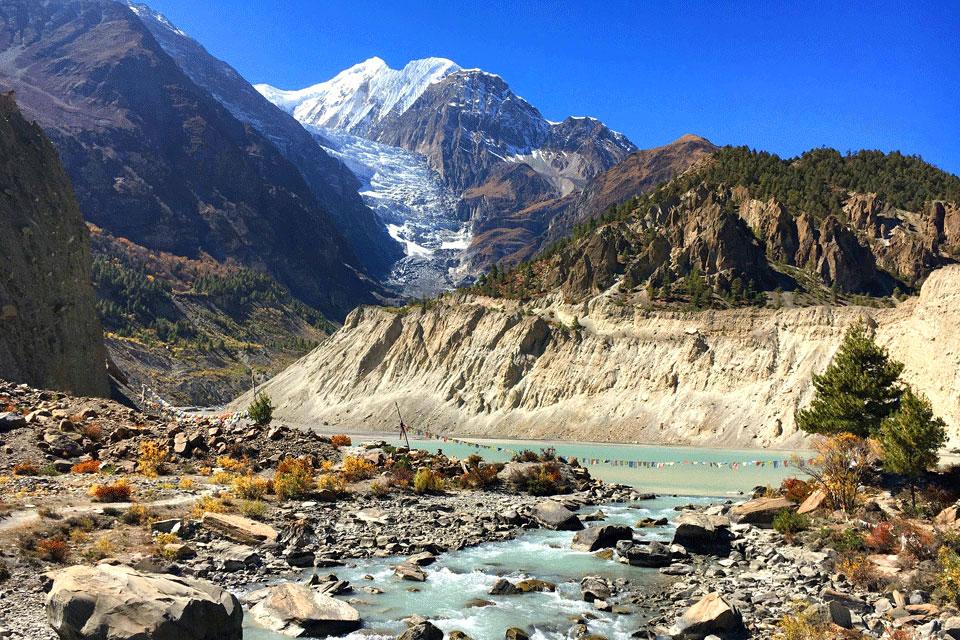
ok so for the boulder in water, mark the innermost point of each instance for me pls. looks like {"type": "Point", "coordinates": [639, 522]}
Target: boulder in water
{"type": "Point", "coordinates": [600, 537]}
{"type": "Point", "coordinates": [550, 514]}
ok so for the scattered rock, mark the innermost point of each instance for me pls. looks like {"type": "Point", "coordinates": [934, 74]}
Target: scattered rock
{"type": "Point", "coordinates": [761, 511]}
{"type": "Point", "coordinates": [297, 611]}
{"type": "Point", "coordinates": [553, 515]}
{"type": "Point", "coordinates": [711, 615]}
{"type": "Point", "coordinates": [238, 528]}
{"type": "Point", "coordinates": [600, 537]}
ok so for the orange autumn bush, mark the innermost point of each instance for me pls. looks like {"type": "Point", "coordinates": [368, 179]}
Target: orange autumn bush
{"type": "Point", "coordinates": [87, 466]}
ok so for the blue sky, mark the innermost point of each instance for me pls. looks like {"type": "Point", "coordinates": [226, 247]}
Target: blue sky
{"type": "Point", "coordinates": [780, 76]}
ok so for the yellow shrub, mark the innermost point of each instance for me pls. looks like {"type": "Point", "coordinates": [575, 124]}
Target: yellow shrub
{"type": "Point", "coordinates": [428, 481]}
{"type": "Point", "coordinates": [859, 571]}
{"type": "Point", "coordinates": [250, 487]}
{"type": "Point", "coordinates": [186, 484]}
{"type": "Point", "coordinates": [802, 627]}
{"type": "Point", "coordinates": [326, 465]}
{"type": "Point", "coordinates": [949, 582]}
{"type": "Point", "coordinates": [137, 514]}
{"type": "Point", "coordinates": [357, 468]}
{"type": "Point", "coordinates": [232, 464]}
{"type": "Point", "coordinates": [152, 455]}
{"type": "Point", "coordinates": [207, 504]}
{"type": "Point", "coordinates": [166, 538]}
{"type": "Point", "coordinates": [294, 478]}
{"type": "Point", "coordinates": [223, 477]}
{"type": "Point", "coordinates": [331, 483]}
{"type": "Point", "coordinates": [102, 548]}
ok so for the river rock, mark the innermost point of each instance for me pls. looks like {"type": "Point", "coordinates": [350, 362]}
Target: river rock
{"type": "Point", "coordinates": [550, 514]}
{"type": "Point", "coordinates": [600, 537]}
{"type": "Point", "coordinates": [296, 610]}
{"type": "Point", "coordinates": [515, 633]}
{"type": "Point", "coordinates": [115, 602]}
{"type": "Point", "coordinates": [425, 630]}
{"type": "Point", "coordinates": [651, 555]}
{"type": "Point", "coordinates": [10, 420]}
{"type": "Point", "coordinates": [503, 587]}
{"type": "Point", "coordinates": [704, 534]}
{"type": "Point", "coordinates": [534, 585]}
{"type": "Point", "coordinates": [594, 588]}
{"type": "Point", "coordinates": [761, 511]}
{"type": "Point", "coordinates": [711, 615]}
{"type": "Point", "coordinates": [410, 571]}
{"type": "Point", "coordinates": [238, 528]}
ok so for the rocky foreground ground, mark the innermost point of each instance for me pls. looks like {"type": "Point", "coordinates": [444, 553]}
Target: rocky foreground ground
{"type": "Point", "coordinates": [105, 505]}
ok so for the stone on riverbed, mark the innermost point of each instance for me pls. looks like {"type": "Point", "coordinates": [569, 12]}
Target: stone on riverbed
{"type": "Point", "coordinates": [238, 528]}
{"type": "Point", "coordinates": [425, 630]}
{"type": "Point", "coordinates": [711, 615]}
{"type": "Point", "coordinates": [651, 555]}
{"type": "Point", "coordinates": [550, 514]}
{"type": "Point", "coordinates": [503, 587]}
{"type": "Point", "coordinates": [118, 602]}
{"type": "Point", "coordinates": [761, 511]}
{"type": "Point", "coordinates": [410, 571]}
{"type": "Point", "coordinates": [296, 610]}
{"type": "Point", "coordinates": [534, 585]}
{"type": "Point", "coordinates": [600, 537]}
{"type": "Point", "coordinates": [704, 534]}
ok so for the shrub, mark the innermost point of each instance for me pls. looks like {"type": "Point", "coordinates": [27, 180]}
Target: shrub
{"type": "Point", "coordinates": [166, 538]}
{"type": "Point", "coordinates": [137, 514]}
{"type": "Point", "coordinates": [526, 455]}
{"type": "Point", "coordinates": [331, 483]}
{"type": "Point", "coordinates": [479, 477]}
{"type": "Point", "coordinates": [185, 484]}
{"type": "Point", "coordinates": [229, 463]}
{"type": "Point", "coordinates": [341, 440]}
{"type": "Point", "coordinates": [401, 476]}
{"type": "Point", "coordinates": [802, 626]}
{"type": "Point", "coordinates": [378, 489]}
{"type": "Point", "coordinates": [53, 550]}
{"type": "Point", "coordinates": [102, 548]}
{"type": "Point", "coordinates": [151, 456]}
{"type": "Point", "coordinates": [795, 490]}
{"type": "Point", "coordinates": [119, 491]}
{"type": "Point", "coordinates": [948, 585]}
{"type": "Point", "coordinates": [881, 538]}
{"type": "Point", "coordinates": [253, 508]}
{"type": "Point", "coordinates": [261, 409]}
{"type": "Point", "coordinates": [250, 487]}
{"type": "Point", "coordinates": [208, 504]}
{"type": "Point", "coordinates": [92, 431]}
{"type": "Point", "coordinates": [26, 468]}
{"type": "Point", "coordinates": [294, 478]}
{"type": "Point", "coordinates": [427, 481]}
{"type": "Point", "coordinates": [859, 571]}
{"type": "Point", "coordinates": [846, 541]}
{"type": "Point", "coordinates": [839, 467]}
{"type": "Point", "coordinates": [223, 477]}
{"type": "Point", "coordinates": [87, 466]}
{"type": "Point", "coordinates": [789, 522]}
{"type": "Point", "coordinates": [357, 468]}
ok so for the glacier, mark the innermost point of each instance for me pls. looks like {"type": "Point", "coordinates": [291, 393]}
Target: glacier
{"type": "Point", "coordinates": [414, 204]}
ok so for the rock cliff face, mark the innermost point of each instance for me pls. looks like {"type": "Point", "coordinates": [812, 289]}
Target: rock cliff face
{"type": "Point", "coordinates": [496, 368]}
{"type": "Point", "coordinates": [50, 334]}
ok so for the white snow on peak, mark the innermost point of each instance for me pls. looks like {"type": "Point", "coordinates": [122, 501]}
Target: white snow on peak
{"type": "Point", "coordinates": [145, 12]}
{"type": "Point", "coordinates": [361, 95]}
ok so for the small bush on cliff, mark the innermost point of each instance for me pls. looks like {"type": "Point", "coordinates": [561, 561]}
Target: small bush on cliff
{"type": "Point", "coordinates": [789, 523]}
{"type": "Point", "coordinates": [857, 392]}
{"type": "Point", "coordinates": [911, 440]}
{"type": "Point", "coordinates": [261, 409]}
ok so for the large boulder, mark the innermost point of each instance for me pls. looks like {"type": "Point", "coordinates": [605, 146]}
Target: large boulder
{"type": "Point", "coordinates": [550, 514]}
{"type": "Point", "coordinates": [712, 615]}
{"type": "Point", "coordinates": [115, 602]}
{"type": "Point", "coordinates": [10, 420]}
{"type": "Point", "coordinates": [425, 630]}
{"type": "Point", "coordinates": [813, 502]}
{"type": "Point", "coordinates": [704, 534]}
{"type": "Point", "coordinates": [296, 610]}
{"type": "Point", "coordinates": [761, 511]}
{"type": "Point", "coordinates": [600, 537]}
{"type": "Point", "coordinates": [239, 529]}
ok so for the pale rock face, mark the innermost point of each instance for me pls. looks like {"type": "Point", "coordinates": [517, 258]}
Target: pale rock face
{"type": "Point", "coordinates": [725, 378]}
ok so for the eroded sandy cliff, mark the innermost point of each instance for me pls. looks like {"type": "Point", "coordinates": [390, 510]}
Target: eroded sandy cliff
{"type": "Point", "coordinates": [495, 368]}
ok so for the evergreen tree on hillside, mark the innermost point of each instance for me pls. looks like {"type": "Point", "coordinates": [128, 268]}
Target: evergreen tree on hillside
{"type": "Point", "coordinates": [857, 392]}
{"type": "Point", "coordinates": [911, 439]}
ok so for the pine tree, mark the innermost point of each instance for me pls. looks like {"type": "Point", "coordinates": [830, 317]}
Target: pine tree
{"type": "Point", "coordinates": [857, 392]}
{"type": "Point", "coordinates": [911, 439]}
{"type": "Point", "coordinates": [261, 409]}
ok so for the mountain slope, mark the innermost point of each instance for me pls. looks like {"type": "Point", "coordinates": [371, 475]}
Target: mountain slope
{"type": "Point", "coordinates": [155, 159]}
{"type": "Point", "coordinates": [50, 335]}
{"type": "Point", "coordinates": [334, 186]}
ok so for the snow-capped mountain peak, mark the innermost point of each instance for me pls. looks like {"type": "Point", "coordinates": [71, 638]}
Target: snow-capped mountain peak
{"type": "Point", "coordinates": [362, 95]}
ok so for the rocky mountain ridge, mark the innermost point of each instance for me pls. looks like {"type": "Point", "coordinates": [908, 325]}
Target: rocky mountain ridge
{"type": "Point", "coordinates": [600, 370]}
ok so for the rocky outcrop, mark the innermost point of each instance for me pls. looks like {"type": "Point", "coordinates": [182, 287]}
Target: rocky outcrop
{"type": "Point", "coordinates": [112, 602]}
{"type": "Point", "coordinates": [622, 374]}
{"type": "Point", "coordinates": [50, 333]}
